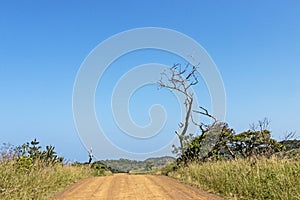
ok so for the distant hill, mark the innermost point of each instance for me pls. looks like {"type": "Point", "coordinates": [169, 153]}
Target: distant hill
{"type": "Point", "coordinates": [134, 166]}
{"type": "Point", "coordinates": [161, 161]}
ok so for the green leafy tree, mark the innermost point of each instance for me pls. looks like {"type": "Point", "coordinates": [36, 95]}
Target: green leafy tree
{"type": "Point", "coordinates": [50, 157]}
{"type": "Point", "coordinates": [221, 142]}
{"type": "Point", "coordinates": [211, 144]}
{"type": "Point", "coordinates": [255, 143]}
{"type": "Point", "coordinates": [149, 165]}
{"type": "Point", "coordinates": [34, 151]}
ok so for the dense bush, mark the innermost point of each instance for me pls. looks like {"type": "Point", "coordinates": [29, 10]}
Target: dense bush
{"type": "Point", "coordinates": [169, 168]}
{"type": "Point", "coordinates": [33, 151]}
{"type": "Point", "coordinates": [221, 142]}
{"type": "Point", "coordinates": [291, 144]}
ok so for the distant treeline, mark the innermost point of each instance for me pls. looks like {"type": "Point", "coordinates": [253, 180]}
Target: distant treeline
{"type": "Point", "coordinates": [134, 166]}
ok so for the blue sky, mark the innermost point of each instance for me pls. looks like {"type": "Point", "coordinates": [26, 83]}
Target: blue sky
{"type": "Point", "coordinates": [255, 44]}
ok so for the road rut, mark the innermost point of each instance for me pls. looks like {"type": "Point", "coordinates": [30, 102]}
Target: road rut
{"type": "Point", "coordinates": [133, 187]}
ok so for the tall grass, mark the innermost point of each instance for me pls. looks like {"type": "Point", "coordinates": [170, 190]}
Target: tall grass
{"type": "Point", "coordinates": [39, 181]}
{"type": "Point", "coordinates": [245, 179]}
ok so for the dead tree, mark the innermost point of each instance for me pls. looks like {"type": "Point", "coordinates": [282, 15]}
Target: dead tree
{"type": "Point", "coordinates": [261, 125]}
{"type": "Point", "coordinates": [203, 127]}
{"type": "Point", "coordinates": [90, 155]}
{"type": "Point", "coordinates": [181, 79]}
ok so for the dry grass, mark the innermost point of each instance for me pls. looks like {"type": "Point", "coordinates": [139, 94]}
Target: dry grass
{"type": "Point", "coordinates": [38, 182]}
{"type": "Point", "coordinates": [245, 179]}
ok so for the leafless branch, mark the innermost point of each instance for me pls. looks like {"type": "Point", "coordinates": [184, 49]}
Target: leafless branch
{"type": "Point", "coordinates": [180, 79]}
{"type": "Point", "coordinates": [205, 112]}
{"type": "Point", "coordinates": [203, 127]}
{"type": "Point", "coordinates": [290, 135]}
{"type": "Point", "coordinates": [261, 125]}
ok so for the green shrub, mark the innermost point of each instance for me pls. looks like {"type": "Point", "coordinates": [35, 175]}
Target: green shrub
{"type": "Point", "coordinates": [100, 169]}
{"type": "Point", "coordinates": [171, 167]}
{"type": "Point", "coordinates": [24, 164]}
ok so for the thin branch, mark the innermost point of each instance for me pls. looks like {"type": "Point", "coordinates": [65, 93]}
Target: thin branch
{"type": "Point", "coordinates": [201, 125]}
{"type": "Point", "coordinates": [180, 79]}
{"type": "Point", "coordinates": [205, 113]}
{"type": "Point", "coordinates": [289, 136]}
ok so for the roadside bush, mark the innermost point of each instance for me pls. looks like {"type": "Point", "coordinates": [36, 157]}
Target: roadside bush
{"type": "Point", "coordinates": [221, 143]}
{"type": "Point", "coordinates": [24, 164]}
{"type": "Point", "coordinates": [100, 169]}
{"type": "Point", "coordinates": [171, 167]}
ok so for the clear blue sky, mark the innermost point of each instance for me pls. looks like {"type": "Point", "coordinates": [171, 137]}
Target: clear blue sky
{"type": "Point", "coordinates": [255, 44]}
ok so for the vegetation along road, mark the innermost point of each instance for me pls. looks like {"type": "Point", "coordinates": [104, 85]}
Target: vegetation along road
{"type": "Point", "coordinates": [125, 186]}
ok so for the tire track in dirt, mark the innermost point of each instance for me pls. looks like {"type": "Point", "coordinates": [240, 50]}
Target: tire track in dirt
{"type": "Point", "coordinates": [133, 187]}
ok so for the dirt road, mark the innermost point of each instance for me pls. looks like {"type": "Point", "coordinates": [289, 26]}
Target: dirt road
{"type": "Point", "coordinates": [133, 187]}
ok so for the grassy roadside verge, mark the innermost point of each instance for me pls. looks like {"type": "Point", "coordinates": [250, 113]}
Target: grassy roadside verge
{"type": "Point", "coordinates": [245, 179]}
{"type": "Point", "coordinates": [39, 181]}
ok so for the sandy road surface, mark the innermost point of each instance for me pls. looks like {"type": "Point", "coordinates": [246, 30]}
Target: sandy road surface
{"type": "Point", "coordinates": [135, 187]}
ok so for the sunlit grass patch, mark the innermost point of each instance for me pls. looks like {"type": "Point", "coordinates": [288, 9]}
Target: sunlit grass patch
{"type": "Point", "coordinates": [245, 179]}
{"type": "Point", "coordinates": [39, 181]}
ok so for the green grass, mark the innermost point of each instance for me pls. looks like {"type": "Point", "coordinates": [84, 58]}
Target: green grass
{"type": "Point", "coordinates": [39, 181]}
{"type": "Point", "coordinates": [245, 179]}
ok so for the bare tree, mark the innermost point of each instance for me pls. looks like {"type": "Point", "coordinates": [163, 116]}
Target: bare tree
{"type": "Point", "coordinates": [261, 125]}
{"type": "Point", "coordinates": [204, 127]}
{"type": "Point", "coordinates": [290, 135]}
{"type": "Point", "coordinates": [181, 79]}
